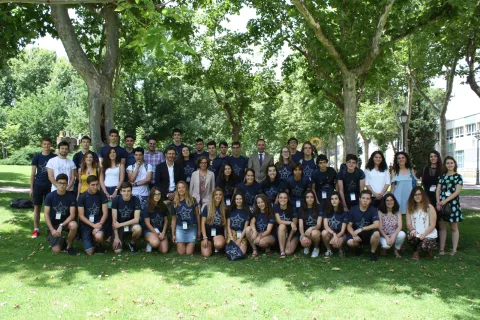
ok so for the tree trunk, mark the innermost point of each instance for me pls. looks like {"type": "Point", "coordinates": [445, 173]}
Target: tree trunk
{"type": "Point", "coordinates": [350, 112]}
{"type": "Point", "coordinates": [236, 128]}
{"type": "Point", "coordinates": [443, 120]}
{"type": "Point", "coordinates": [409, 112]}
{"type": "Point", "coordinates": [100, 105]}
{"type": "Point", "coordinates": [366, 147]}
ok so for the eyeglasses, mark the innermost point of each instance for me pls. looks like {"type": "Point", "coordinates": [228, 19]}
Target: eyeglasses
{"type": "Point", "coordinates": [418, 194]}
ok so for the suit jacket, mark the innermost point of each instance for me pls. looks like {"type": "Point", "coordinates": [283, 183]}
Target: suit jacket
{"type": "Point", "coordinates": [162, 179]}
{"type": "Point", "coordinates": [254, 163]}
{"type": "Point", "coordinates": [209, 187]}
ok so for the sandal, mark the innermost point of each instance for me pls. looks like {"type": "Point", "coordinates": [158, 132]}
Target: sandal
{"type": "Point", "coordinates": [282, 255]}
{"type": "Point", "coordinates": [397, 253]}
{"type": "Point", "coordinates": [442, 253]}
{"type": "Point", "coordinates": [255, 253]}
{"type": "Point", "coordinates": [453, 253]}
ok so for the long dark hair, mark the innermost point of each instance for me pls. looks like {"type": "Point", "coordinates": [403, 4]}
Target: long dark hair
{"type": "Point", "coordinates": [247, 171]}
{"type": "Point", "coordinates": [276, 181]}
{"type": "Point", "coordinates": [151, 207]}
{"type": "Point", "coordinates": [396, 166]}
{"type": "Point", "coordinates": [382, 207]}
{"type": "Point", "coordinates": [371, 164]}
{"type": "Point", "coordinates": [305, 206]}
{"type": "Point", "coordinates": [222, 178]}
{"type": "Point", "coordinates": [329, 210]}
{"type": "Point", "coordinates": [289, 210]}
{"type": "Point", "coordinates": [439, 168]}
{"type": "Point", "coordinates": [268, 207]}
{"type": "Point", "coordinates": [233, 205]}
{"type": "Point", "coordinates": [107, 163]}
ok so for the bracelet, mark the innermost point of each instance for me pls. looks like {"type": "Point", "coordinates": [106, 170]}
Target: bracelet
{"type": "Point", "coordinates": [205, 238]}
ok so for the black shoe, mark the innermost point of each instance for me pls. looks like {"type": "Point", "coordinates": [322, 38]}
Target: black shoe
{"type": "Point", "coordinates": [71, 252]}
{"type": "Point", "coordinates": [373, 257]}
{"type": "Point", "coordinates": [133, 247]}
{"type": "Point", "coordinates": [100, 249]}
{"type": "Point", "coordinates": [63, 244]}
{"type": "Point", "coordinates": [358, 252]}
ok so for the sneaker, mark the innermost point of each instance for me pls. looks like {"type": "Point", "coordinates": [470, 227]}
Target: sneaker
{"type": "Point", "coordinates": [100, 249]}
{"type": "Point", "coordinates": [328, 253]}
{"type": "Point", "coordinates": [148, 248]}
{"type": "Point", "coordinates": [35, 234]}
{"type": "Point", "coordinates": [133, 247]}
{"type": "Point", "coordinates": [71, 252]}
{"type": "Point", "coordinates": [282, 255]}
{"type": "Point", "coordinates": [373, 257]}
{"type": "Point", "coordinates": [63, 244]}
{"type": "Point", "coordinates": [216, 250]}
{"type": "Point", "coordinates": [315, 252]}
{"type": "Point", "coordinates": [306, 251]}
{"type": "Point", "coordinates": [341, 253]}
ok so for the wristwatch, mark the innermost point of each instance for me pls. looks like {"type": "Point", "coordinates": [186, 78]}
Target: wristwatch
{"type": "Point", "coordinates": [61, 225]}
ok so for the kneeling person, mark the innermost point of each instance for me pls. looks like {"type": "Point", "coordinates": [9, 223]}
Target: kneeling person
{"type": "Point", "coordinates": [363, 225]}
{"type": "Point", "coordinates": [155, 216]}
{"type": "Point", "coordinates": [125, 218]}
{"type": "Point", "coordinates": [92, 212]}
{"type": "Point", "coordinates": [60, 216]}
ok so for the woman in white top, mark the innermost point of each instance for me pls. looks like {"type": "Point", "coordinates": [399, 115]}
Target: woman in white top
{"type": "Point", "coordinates": [421, 220]}
{"type": "Point", "coordinates": [377, 177]}
{"type": "Point", "coordinates": [111, 175]}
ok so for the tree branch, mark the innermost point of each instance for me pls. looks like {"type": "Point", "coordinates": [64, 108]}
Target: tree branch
{"type": "Point", "coordinates": [375, 51]}
{"type": "Point", "coordinates": [317, 29]}
{"type": "Point", "coordinates": [450, 76]}
{"type": "Point", "coordinates": [471, 52]}
{"type": "Point", "coordinates": [51, 2]}
{"type": "Point", "coordinates": [112, 49]}
{"type": "Point", "coordinates": [422, 93]}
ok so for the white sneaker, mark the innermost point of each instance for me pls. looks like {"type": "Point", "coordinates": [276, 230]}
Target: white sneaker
{"type": "Point", "coordinates": [306, 251]}
{"type": "Point", "coordinates": [328, 253]}
{"type": "Point", "coordinates": [315, 252]}
{"type": "Point", "coordinates": [148, 249]}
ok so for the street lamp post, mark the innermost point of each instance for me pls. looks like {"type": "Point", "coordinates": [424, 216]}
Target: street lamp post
{"type": "Point", "coordinates": [403, 117]}
{"type": "Point", "coordinates": [477, 136]}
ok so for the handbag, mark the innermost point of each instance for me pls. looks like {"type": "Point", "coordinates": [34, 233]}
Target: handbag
{"type": "Point", "coordinates": [446, 211]}
{"type": "Point", "coordinates": [414, 180]}
{"type": "Point", "coordinates": [233, 252]}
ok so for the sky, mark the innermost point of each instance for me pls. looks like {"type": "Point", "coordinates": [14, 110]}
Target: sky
{"type": "Point", "coordinates": [464, 101]}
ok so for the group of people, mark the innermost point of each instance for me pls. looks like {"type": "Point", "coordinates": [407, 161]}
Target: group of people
{"type": "Point", "coordinates": [122, 194]}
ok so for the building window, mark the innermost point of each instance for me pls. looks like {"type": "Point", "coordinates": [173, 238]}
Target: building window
{"type": "Point", "coordinates": [459, 158]}
{"type": "Point", "coordinates": [458, 132]}
{"type": "Point", "coordinates": [449, 133]}
{"type": "Point", "coordinates": [471, 128]}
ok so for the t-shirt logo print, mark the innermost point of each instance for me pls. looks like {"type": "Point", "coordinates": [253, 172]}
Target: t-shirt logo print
{"type": "Point", "coordinates": [284, 217]}
{"type": "Point", "coordinates": [188, 170]}
{"type": "Point", "coordinates": [236, 222]}
{"type": "Point", "coordinates": [249, 198]}
{"type": "Point", "coordinates": [310, 221]}
{"type": "Point", "coordinates": [43, 167]}
{"type": "Point", "coordinates": [362, 223]}
{"type": "Point", "coordinates": [125, 212]}
{"type": "Point", "coordinates": [94, 210]}
{"type": "Point", "coordinates": [270, 192]}
{"type": "Point", "coordinates": [297, 192]}
{"type": "Point", "coordinates": [237, 169]}
{"type": "Point", "coordinates": [334, 223]}
{"type": "Point", "coordinates": [218, 220]}
{"type": "Point", "coordinates": [185, 213]}
{"type": "Point", "coordinates": [262, 226]}
{"type": "Point", "coordinates": [307, 171]}
{"type": "Point", "coordinates": [284, 173]}
{"type": "Point", "coordinates": [60, 208]}
{"type": "Point", "coordinates": [157, 221]}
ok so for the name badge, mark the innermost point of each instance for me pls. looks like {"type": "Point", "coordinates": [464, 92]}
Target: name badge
{"type": "Point", "coordinates": [239, 234]}
{"type": "Point", "coordinates": [352, 197]}
{"type": "Point", "coordinates": [297, 203]}
{"type": "Point", "coordinates": [228, 202]}
{"type": "Point", "coordinates": [156, 230]}
{"type": "Point", "coordinates": [185, 225]}
{"type": "Point", "coordinates": [91, 218]}
{"type": "Point", "coordinates": [433, 188]}
{"type": "Point", "coordinates": [188, 179]}
{"type": "Point", "coordinates": [58, 216]}
{"type": "Point", "coordinates": [324, 195]}
{"type": "Point", "coordinates": [251, 209]}
{"type": "Point", "coordinates": [126, 228]}
{"type": "Point", "coordinates": [213, 232]}
{"type": "Point", "coordinates": [448, 193]}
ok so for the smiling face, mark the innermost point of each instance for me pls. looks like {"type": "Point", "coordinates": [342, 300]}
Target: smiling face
{"type": "Point", "coordinates": [272, 172]}
{"type": "Point", "coordinates": [89, 159]}
{"type": "Point", "coordinates": [239, 201]}
{"type": "Point", "coordinates": [218, 197]}
{"type": "Point", "coordinates": [46, 146]}
{"type": "Point", "coordinates": [283, 199]}
{"type": "Point", "coordinates": [261, 146]}
{"type": "Point", "coordinates": [113, 138]}
{"type": "Point", "coordinates": [309, 199]}
{"type": "Point", "coordinates": [152, 144]}
{"type": "Point", "coordinates": [433, 158]}
{"type": "Point", "coordinates": [170, 155]}
{"type": "Point", "coordinates": [249, 177]}
{"type": "Point", "coordinates": [377, 159]}
{"type": "Point", "coordinates": [335, 200]}
{"type": "Point", "coordinates": [450, 165]}
{"type": "Point", "coordinates": [181, 189]}
{"type": "Point", "coordinates": [212, 150]}
{"type": "Point", "coordinates": [126, 193]}
{"type": "Point", "coordinates": [227, 170]}
{"type": "Point", "coordinates": [389, 202]}
{"type": "Point", "coordinates": [85, 144]}
{"type": "Point", "coordinates": [260, 204]}
{"type": "Point", "coordinates": [129, 142]}
{"type": "Point", "coordinates": [402, 160]}
{"type": "Point", "coordinates": [113, 154]}
{"type": "Point", "coordinates": [185, 152]}
{"type": "Point", "coordinates": [285, 153]}
{"type": "Point", "coordinates": [63, 151]}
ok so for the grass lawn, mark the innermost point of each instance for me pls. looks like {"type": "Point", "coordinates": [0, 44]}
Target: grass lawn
{"type": "Point", "coordinates": [15, 176]}
{"type": "Point", "coordinates": [35, 282]}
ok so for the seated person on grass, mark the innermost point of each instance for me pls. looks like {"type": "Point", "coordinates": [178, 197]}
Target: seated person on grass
{"type": "Point", "coordinates": [363, 225]}
{"type": "Point", "coordinates": [60, 216]}
{"type": "Point", "coordinates": [92, 212]}
{"type": "Point", "coordinates": [125, 218]}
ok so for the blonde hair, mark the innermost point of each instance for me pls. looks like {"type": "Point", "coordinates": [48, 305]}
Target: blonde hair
{"type": "Point", "coordinates": [188, 197]}
{"type": "Point", "coordinates": [212, 209]}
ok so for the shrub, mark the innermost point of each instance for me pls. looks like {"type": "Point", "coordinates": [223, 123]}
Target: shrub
{"type": "Point", "coordinates": [22, 156]}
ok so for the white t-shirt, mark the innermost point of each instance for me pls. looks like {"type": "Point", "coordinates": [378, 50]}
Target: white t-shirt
{"type": "Point", "coordinates": [377, 179]}
{"type": "Point", "coordinates": [61, 166]}
{"type": "Point", "coordinates": [142, 174]}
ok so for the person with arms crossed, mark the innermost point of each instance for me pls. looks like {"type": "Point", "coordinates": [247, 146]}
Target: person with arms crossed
{"type": "Point", "coordinates": [59, 212]}
{"type": "Point", "coordinates": [40, 185]}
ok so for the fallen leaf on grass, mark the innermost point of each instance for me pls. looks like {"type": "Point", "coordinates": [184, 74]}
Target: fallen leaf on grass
{"type": "Point", "coordinates": [392, 270]}
{"type": "Point", "coordinates": [254, 308]}
{"type": "Point", "coordinates": [33, 291]}
{"type": "Point", "coordinates": [457, 285]}
{"type": "Point", "coordinates": [329, 289]}
{"type": "Point", "coordinates": [336, 269]}
{"type": "Point", "coordinates": [436, 290]}
{"type": "Point", "coordinates": [16, 306]}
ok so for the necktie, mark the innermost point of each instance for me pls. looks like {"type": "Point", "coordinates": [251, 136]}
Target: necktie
{"type": "Point", "coordinates": [261, 159]}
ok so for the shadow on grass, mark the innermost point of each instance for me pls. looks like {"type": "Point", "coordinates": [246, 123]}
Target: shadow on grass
{"type": "Point", "coordinates": [452, 279]}
{"type": "Point", "coordinates": [14, 179]}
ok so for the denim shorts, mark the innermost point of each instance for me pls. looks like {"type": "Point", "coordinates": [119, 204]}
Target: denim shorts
{"type": "Point", "coordinates": [87, 236]}
{"type": "Point", "coordinates": [188, 235]}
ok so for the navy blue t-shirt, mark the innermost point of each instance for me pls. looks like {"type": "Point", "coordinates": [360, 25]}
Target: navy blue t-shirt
{"type": "Point", "coordinates": [189, 167]}
{"type": "Point", "coordinates": [238, 165]}
{"type": "Point", "coordinates": [157, 217]}
{"type": "Point", "coordinates": [336, 220]}
{"type": "Point", "coordinates": [126, 209]}
{"type": "Point", "coordinates": [121, 153]}
{"type": "Point", "coordinates": [250, 192]}
{"type": "Point", "coordinates": [309, 220]}
{"type": "Point", "coordinates": [217, 222]}
{"type": "Point", "coordinates": [59, 204]}
{"type": "Point", "coordinates": [196, 155]}
{"type": "Point", "coordinates": [129, 160]}
{"type": "Point", "coordinates": [361, 219]}
{"type": "Point", "coordinates": [324, 181]}
{"type": "Point", "coordinates": [77, 158]}
{"type": "Point", "coordinates": [297, 156]}
{"type": "Point", "coordinates": [283, 213]}
{"type": "Point", "coordinates": [238, 217]}
{"type": "Point", "coordinates": [351, 184]}
{"type": "Point", "coordinates": [178, 149]}
{"type": "Point", "coordinates": [92, 204]}
{"type": "Point", "coordinates": [296, 188]}
{"type": "Point", "coordinates": [227, 187]}
{"type": "Point", "coordinates": [309, 167]}
{"type": "Point", "coordinates": [285, 172]}
{"type": "Point", "coordinates": [216, 164]}
{"type": "Point", "coordinates": [271, 189]}
{"type": "Point", "coordinates": [40, 161]}
{"type": "Point", "coordinates": [185, 213]}
{"type": "Point", "coordinates": [261, 222]}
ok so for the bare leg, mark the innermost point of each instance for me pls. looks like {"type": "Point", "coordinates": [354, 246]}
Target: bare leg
{"type": "Point", "coordinates": [443, 234]}
{"type": "Point", "coordinates": [455, 235]}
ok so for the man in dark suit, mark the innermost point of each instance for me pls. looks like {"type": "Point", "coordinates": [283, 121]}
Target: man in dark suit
{"type": "Point", "coordinates": [260, 161]}
{"type": "Point", "coordinates": [168, 173]}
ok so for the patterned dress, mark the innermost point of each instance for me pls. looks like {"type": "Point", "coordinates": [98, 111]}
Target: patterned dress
{"type": "Point", "coordinates": [449, 185]}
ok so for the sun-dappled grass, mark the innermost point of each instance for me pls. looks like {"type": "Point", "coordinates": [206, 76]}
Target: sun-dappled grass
{"type": "Point", "coordinates": [36, 282]}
